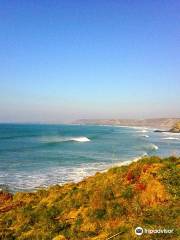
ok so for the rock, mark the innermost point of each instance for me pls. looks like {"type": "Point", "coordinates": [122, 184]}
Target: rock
{"type": "Point", "coordinates": [158, 131]}
{"type": "Point", "coordinates": [175, 128]}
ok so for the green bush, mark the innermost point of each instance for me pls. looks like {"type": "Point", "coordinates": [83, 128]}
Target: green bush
{"type": "Point", "coordinates": [108, 194]}
{"type": "Point", "coordinates": [117, 210]}
{"type": "Point", "coordinates": [127, 193]}
{"type": "Point", "coordinates": [98, 214]}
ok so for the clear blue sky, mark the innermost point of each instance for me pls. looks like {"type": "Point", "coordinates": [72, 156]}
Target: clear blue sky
{"type": "Point", "coordinates": [68, 59]}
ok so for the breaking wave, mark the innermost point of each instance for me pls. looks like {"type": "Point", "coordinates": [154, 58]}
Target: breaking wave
{"type": "Point", "coordinates": [151, 147]}
{"type": "Point", "coordinates": [50, 140]}
{"type": "Point", "coordinates": [171, 138]}
{"type": "Point", "coordinates": [146, 136]}
{"type": "Point", "coordinates": [80, 139]}
{"type": "Point", "coordinates": [142, 131]}
{"type": "Point", "coordinates": [154, 147]}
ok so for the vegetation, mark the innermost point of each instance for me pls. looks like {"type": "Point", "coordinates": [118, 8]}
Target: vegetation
{"type": "Point", "coordinates": [145, 193]}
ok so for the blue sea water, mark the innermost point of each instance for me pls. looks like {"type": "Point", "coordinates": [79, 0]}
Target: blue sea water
{"type": "Point", "coordinates": [33, 156]}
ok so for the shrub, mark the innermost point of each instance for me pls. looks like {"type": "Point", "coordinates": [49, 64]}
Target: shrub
{"type": "Point", "coordinates": [108, 194]}
{"type": "Point", "coordinates": [99, 206]}
{"type": "Point", "coordinates": [117, 210]}
{"type": "Point", "coordinates": [97, 214]}
{"type": "Point", "coordinates": [133, 175]}
{"type": "Point", "coordinates": [127, 193]}
{"type": "Point", "coordinates": [79, 220]}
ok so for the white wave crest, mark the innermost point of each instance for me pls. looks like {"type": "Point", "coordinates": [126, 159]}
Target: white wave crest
{"type": "Point", "coordinates": [171, 138]}
{"type": "Point", "coordinates": [171, 134]}
{"type": "Point", "coordinates": [56, 139]}
{"type": "Point", "coordinates": [154, 147]}
{"type": "Point", "coordinates": [142, 131]}
{"type": "Point", "coordinates": [150, 147]}
{"type": "Point", "coordinates": [146, 136]}
{"type": "Point", "coordinates": [80, 139]}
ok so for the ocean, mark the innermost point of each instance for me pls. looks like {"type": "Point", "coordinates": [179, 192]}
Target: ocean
{"type": "Point", "coordinates": [34, 156]}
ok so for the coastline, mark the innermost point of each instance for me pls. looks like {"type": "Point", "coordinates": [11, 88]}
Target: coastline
{"type": "Point", "coordinates": [156, 123]}
{"type": "Point", "coordinates": [6, 188]}
{"type": "Point", "coordinates": [85, 169]}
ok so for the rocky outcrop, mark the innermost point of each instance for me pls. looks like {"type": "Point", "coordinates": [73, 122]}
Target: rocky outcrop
{"type": "Point", "coordinates": [176, 128]}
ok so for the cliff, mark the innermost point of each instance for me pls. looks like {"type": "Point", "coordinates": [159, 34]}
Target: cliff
{"type": "Point", "coordinates": [176, 128]}
{"type": "Point", "coordinates": [163, 123]}
{"type": "Point", "coordinates": [145, 193]}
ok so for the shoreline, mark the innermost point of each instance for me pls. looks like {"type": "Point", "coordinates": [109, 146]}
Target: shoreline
{"type": "Point", "coordinates": [118, 164]}
{"type": "Point", "coordinates": [115, 125]}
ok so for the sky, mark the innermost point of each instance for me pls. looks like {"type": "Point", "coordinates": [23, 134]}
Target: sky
{"type": "Point", "coordinates": [67, 60]}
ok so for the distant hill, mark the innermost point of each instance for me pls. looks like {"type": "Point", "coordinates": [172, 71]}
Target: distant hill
{"type": "Point", "coordinates": [163, 123]}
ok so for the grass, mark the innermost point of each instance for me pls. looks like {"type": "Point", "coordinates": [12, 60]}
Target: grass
{"type": "Point", "coordinates": [145, 193]}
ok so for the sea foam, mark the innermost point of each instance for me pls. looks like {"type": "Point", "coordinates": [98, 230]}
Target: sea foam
{"type": "Point", "coordinates": [171, 138]}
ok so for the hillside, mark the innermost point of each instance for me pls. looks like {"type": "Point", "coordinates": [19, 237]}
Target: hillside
{"type": "Point", "coordinates": [163, 123]}
{"type": "Point", "coordinates": [145, 193]}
